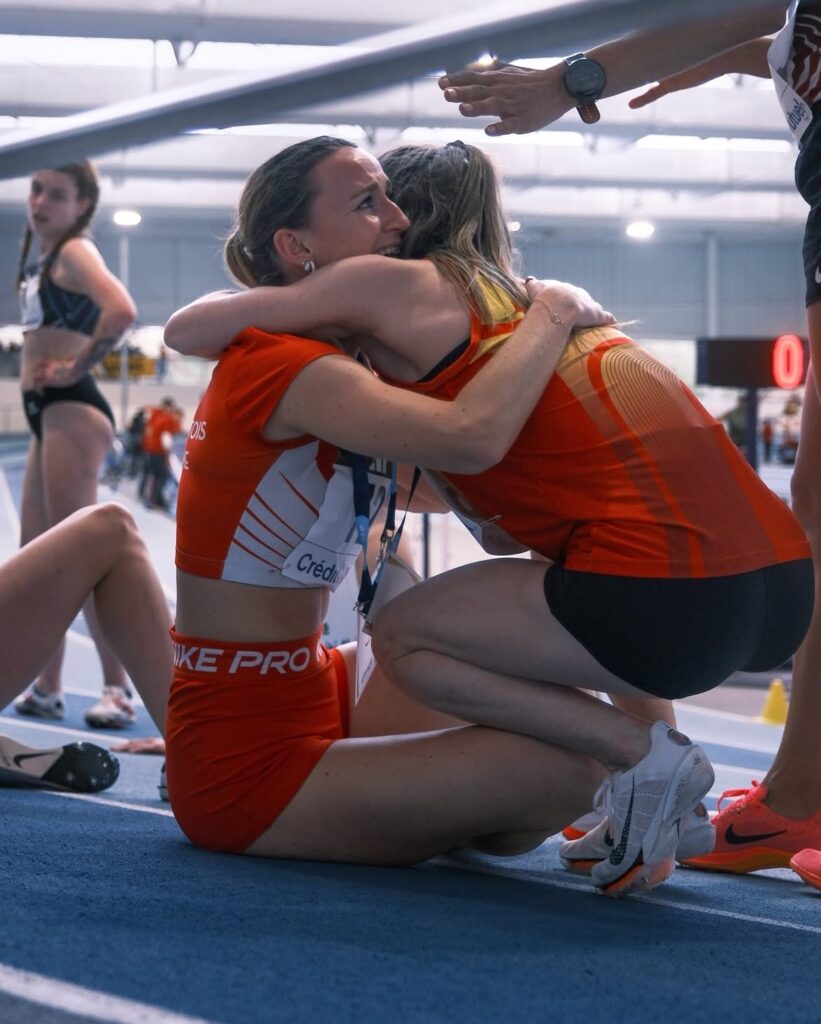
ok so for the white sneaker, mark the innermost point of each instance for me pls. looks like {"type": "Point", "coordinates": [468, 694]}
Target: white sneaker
{"type": "Point", "coordinates": [697, 834]}
{"type": "Point", "coordinates": [40, 705]}
{"type": "Point", "coordinates": [114, 710]}
{"type": "Point", "coordinates": [581, 855]}
{"type": "Point", "coordinates": [644, 807]}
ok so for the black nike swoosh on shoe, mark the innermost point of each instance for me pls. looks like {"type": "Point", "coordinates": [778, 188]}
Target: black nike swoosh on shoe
{"type": "Point", "coordinates": [19, 758]}
{"type": "Point", "coordinates": [618, 852]}
{"type": "Point", "coordinates": [734, 839]}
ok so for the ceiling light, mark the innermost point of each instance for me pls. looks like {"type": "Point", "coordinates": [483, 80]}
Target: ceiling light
{"type": "Point", "coordinates": [640, 229]}
{"type": "Point", "coordinates": [126, 218]}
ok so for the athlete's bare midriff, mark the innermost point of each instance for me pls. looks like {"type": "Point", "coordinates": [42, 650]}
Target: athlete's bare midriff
{"type": "Point", "coordinates": [236, 612]}
{"type": "Point", "coordinates": [45, 344]}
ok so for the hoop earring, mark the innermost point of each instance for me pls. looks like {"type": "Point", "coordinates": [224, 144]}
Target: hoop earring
{"type": "Point", "coordinates": [309, 266]}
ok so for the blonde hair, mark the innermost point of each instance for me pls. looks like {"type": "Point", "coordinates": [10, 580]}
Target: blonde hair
{"type": "Point", "coordinates": [451, 196]}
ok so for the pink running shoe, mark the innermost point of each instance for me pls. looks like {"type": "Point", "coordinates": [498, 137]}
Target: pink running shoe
{"type": "Point", "coordinates": [750, 836]}
{"type": "Point", "coordinates": [807, 864]}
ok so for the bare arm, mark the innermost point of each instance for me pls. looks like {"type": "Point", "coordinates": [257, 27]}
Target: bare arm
{"type": "Point", "coordinates": [87, 273]}
{"type": "Point", "coordinates": [425, 498]}
{"type": "Point", "coordinates": [340, 401]}
{"type": "Point", "coordinates": [404, 303]}
{"type": "Point", "coordinates": [526, 99]}
{"type": "Point", "coordinates": [747, 59]}
{"type": "Point", "coordinates": [206, 326]}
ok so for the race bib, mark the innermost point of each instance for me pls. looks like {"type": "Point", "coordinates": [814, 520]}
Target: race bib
{"type": "Point", "coordinates": [330, 548]}
{"type": "Point", "coordinates": [796, 111]}
{"type": "Point", "coordinates": [31, 308]}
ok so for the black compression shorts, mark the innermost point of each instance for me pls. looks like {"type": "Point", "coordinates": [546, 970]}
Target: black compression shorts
{"type": "Point", "coordinates": [673, 638]}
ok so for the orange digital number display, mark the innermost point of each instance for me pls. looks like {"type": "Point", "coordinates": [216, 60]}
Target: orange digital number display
{"type": "Point", "coordinates": [780, 362]}
{"type": "Point", "coordinates": [788, 361]}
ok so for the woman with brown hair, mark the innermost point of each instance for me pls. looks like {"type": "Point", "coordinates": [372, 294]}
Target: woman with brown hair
{"type": "Point", "coordinates": [74, 310]}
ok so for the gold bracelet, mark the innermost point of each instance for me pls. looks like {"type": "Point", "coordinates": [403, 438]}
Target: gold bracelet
{"type": "Point", "coordinates": [554, 317]}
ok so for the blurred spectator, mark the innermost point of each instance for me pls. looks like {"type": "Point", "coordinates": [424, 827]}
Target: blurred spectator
{"type": "Point", "coordinates": [162, 423]}
{"type": "Point", "coordinates": [767, 439]}
{"type": "Point", "coordinates": [736, 423]}
{"type": "Point", "coordinates": [134, 444]}
{"type": "Point", "coordinates": [161, 365]}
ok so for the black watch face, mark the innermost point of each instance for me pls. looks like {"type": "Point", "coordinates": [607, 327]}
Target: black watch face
{"type": "Point", "coordinates": [585, 79]}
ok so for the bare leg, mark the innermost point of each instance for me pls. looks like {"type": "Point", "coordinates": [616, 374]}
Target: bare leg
{"type": "Point", "coordinates": [384, 710]}
{"type": "Point", "coordinates": [401, 800]}
{"type": "Point", "coordinates": [651, 709]}
{"type": "Point", "coordinates": [794, 780]}
{"type": "Point", "coordinates": [499, 665]}
{"type": "Point", "coordinates": [34, 521]}
{"type": "Point", "coordinates": [43, 586]}
{"type": "Point", "coordinates": [76, 438]}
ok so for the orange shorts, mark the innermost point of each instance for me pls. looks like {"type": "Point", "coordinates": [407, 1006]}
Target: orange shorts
{"type": "Point", "coordinates": [246, 725]}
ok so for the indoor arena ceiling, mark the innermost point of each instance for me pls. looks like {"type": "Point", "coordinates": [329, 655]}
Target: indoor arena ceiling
{"type": "Point", "coordinates": [716, 157]}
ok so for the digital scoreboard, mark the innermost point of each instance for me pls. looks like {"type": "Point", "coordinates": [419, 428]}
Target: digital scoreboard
{"type": "Point", "coordinates": [780, 362]}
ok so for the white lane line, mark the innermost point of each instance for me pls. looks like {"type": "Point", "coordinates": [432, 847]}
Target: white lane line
{"type": "Point", "coordinates": [544, 879]}
{"type": "Point", "coordinates": [729, 716]}
{"type": "Point", "coordinates": [103, 801]}
{"type": "Point", "coordinates": [86, 641]}
{"type": "Point", "coordinates": [86, 1002]}
{"type": "Point", "coordinates": [63, 730]}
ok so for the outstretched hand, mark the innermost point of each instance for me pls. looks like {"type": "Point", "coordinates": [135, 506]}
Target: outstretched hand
{"type": "Point", "coordinates": [688, 79]}
{"type": "Point", "coordinates": [524, 99]}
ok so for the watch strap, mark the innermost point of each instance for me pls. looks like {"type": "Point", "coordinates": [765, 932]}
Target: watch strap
{"type": "Point", "coordinates": [589, 113]}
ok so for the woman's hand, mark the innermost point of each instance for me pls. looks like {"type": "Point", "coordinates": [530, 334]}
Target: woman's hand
{"type": "Point", "coordinates": [56, 373]}
{"type": "Point", "coordinates": [568, 303]}
{"type": "Point", "coordinates": [524, 99]}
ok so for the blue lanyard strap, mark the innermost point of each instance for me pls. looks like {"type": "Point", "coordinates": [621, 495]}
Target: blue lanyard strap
{"type": "Point", "coordinates": [362, 514]}
{"type": "Point", "coordinates": [390, 538]}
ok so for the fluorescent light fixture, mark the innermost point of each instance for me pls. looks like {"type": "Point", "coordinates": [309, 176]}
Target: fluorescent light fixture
{"type": "Point", "coordinates": [353, 132]}
{"type": "Point", "coordinates": [713, 143]}
{"type": "Point", "coordinates": [477, 137]}
{"type": "Point", "coordinates": [126, 218]}
{"type": "Point", "coordinates": [640, 229]}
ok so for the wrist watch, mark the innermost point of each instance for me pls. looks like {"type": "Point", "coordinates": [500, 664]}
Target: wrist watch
{"type": "Point", "coordinates": [585, 80]}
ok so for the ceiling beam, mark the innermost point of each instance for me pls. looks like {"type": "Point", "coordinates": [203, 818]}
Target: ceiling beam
{"type": "Point", "coordinates": [394, 57]}
{"type": "Point", "coordinates": [51, 91]}
{"type": "Point", "coordinates": [55, 19]}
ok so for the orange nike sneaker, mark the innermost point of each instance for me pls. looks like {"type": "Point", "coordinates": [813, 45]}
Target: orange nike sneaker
{"type": "Point", "coordinates": [807, 864]}
{"type": "Point", "coordinates": [750, 836]}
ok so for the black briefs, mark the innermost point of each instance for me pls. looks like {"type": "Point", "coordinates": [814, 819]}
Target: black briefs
{"type": "Point", "coordinates": [84, 390]}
